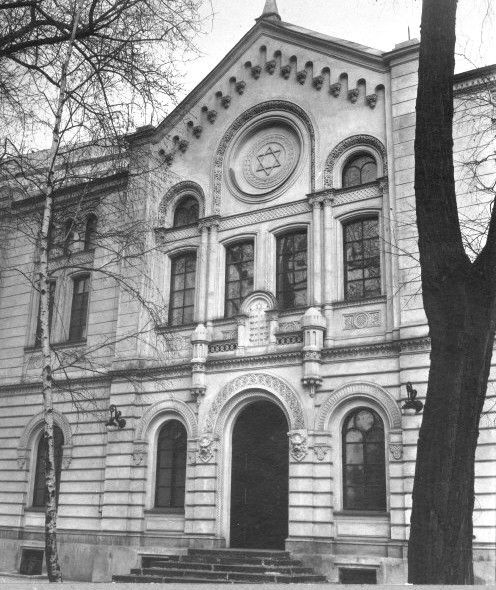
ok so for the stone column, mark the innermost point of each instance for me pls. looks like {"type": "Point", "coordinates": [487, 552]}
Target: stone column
{"type": "Point", "coordinates": [328, 252]}
{"type": "Point", "coordinates": [212, 269]}
{"type": "Point", "coordinates": [201, 300]}
{"type": "Point", "coordinates": [316, 253]}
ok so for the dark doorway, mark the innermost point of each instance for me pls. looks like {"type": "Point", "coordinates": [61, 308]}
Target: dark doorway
{"type": "Point", "coordinates": [259, 487]}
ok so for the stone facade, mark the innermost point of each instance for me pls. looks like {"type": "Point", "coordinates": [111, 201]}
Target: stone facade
{"type": "Point", "coordinates": [261, 144]}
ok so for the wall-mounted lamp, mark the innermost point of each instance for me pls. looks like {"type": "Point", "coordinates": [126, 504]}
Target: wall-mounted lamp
{"type": "Point", "coordinates": [412, 403]}
{"type": "Point", "coordinates": [115, 418]}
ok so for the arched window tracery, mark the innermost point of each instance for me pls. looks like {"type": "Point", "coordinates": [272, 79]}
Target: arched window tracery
{"type": "Point", "coordinates": [360, 169]}
{"type": "Point", "coordinates": [186, 212]}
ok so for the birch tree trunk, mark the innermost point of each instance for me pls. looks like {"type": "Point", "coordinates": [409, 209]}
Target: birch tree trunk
{"type": "Point", "coordinates": [459, 301]}
{"type": "Point", "coordinates": [51, 554]}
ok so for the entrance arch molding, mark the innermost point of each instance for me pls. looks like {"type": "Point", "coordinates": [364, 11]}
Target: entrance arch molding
{"type": "Point", "coordinates": [227, 406]}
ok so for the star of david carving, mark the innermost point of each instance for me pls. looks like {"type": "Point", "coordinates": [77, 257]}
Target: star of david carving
{"type": "Point", "coordinates": [268, 160]}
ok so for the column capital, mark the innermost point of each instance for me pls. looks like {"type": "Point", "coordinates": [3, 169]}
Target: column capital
{"type": "Point", "coordinates": [208, 222]}
{"type": "Point", "coordinates": [325, 196]}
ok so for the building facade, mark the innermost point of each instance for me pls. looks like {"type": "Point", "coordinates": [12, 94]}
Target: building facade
{"type": "Point", "coordinates": [266, 410]}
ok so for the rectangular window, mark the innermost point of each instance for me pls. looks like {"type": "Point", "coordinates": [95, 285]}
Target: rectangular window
{"type": "Point", "coordinates": [239, 275]}
{"type": "Point", "coordinates": [79, 309]}
{"type": "Point", "coordinates": [182, 290]}
{"type": "Point", "coordinates": [357, 576]}
{"type": "Point", "coordinates": [291, 280]}
{"type": "Point", "coordinates": [31, 562]}
{"type": "Point", "coordinates": [51, 301]}
{"type": "Point", "coordinates": [362, 271]}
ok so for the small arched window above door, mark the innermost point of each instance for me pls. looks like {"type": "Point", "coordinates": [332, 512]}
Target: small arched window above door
{"type": "Point", "coordinates": [186, 212]}
{"type": "Point", "coordinates": [39, 488]}
{"type": "Point", "coordinates": [360, 169]}
{"type": "Point", "coordinates": [171, 467]}
{"type": "Point", "coordinates": [364, 473]}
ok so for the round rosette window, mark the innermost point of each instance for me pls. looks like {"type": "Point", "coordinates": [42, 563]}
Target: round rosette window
{"type": "Point", "coordinates": [264, 158]}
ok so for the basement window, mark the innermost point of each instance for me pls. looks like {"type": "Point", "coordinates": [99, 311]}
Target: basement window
{"type": "Point", "coordinates": [31, 562]}
{"type": "Point", "coordinates": [357, 576]}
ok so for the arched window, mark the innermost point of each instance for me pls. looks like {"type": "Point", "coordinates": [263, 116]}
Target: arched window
{"type": "Point", "coordinates": [359, 170]}
{"type": "Point", "coordinates": [39, 490]}
{"type": "Point", "coordinates": [187, 212]}
{"type": "Point", "coordinates": [69, 234]}
{"type": "Point", "coordinates": [362, 267]}
{"type": "Point", "coordinates": [364, 474]}
{"type": "Point", "coordinates": [182, 290]}
{"type": "Point", "coordinates": [90, 232]}
{"type": "Point", "coordinates": [171, 466]}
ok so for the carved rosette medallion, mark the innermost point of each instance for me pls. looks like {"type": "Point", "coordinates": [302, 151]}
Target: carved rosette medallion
{"type": "Point", "coordinates": [263, 158]}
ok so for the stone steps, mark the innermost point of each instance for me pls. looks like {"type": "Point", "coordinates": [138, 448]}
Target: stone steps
{"type": "Point", "coordinates": [222, 566]}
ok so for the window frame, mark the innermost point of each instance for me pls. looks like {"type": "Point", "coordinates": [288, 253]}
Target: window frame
{"type": "Point", "coordinates": [278, 236]}
{"type": "Point", "coordinates": [350, 411]}
{"type": "Point", "coordinates": [173, 256]}
{"type": "Point", "coordinates": [74, 279]}
{"type": "Point", "coordinates": [349, 220]}
{"type": "Point", "coordinates": [227, 247]}
{"type": "Point", "coordinates": [160, 428]}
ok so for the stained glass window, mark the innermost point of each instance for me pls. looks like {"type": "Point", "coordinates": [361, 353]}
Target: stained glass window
{"type": "Point", "coordinates": [364, 486]}
{"type": "Point", "coordinates": [362, 270]}
{"type": "Point", "coordinates": [182, 291]}
{"type": "Point", "coordinates": [359, 170]}
{"type": "Point", "coordinates": [171, 466]}
{"type": "Point", "coordinates": [239, 275]}
{"type": "Point", "coordinates": [291, 280]}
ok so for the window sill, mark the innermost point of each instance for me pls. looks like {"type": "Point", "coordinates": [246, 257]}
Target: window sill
{"type": "Point", "coordinates": [358, 302]}
{"type": "Point", "coordinates": [165, 328]}
{"type": "Point", "coordinates": [57, 346]}
{"type": "Point", "coordinates": [151, 511]}
{"type": "Point", "coordinates": [34, 509]}
{"type": "Point", "coordinates": [378, 513]}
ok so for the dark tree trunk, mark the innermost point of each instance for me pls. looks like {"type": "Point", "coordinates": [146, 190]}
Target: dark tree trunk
{"type": "Point", "coordinates": [459, 302]}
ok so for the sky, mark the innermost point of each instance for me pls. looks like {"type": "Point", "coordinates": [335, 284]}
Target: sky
{"type": "Point", "coordinates": [376, 23]}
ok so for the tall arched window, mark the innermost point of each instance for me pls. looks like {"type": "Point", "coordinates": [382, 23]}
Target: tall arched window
{"type": "Point", "coordinates": [39, 489]}
{"type": "Point", "coordinates": [291, 269]}
{"type": "Point", "coordinates": [187, 212]}
{"type": "Point", "coordinates": [182, 289]}
{"type": "Point", "coordinates": [90, 232]}
{"type": "Point", "coordinates": [171, 466]}
{"type": "Point", "coordinates": [359, 170]}
{"type": "Point", "coordinates": [364, 475]}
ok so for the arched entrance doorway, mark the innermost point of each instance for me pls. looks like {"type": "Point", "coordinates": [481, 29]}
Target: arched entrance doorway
{"type": "Point", "coordinates": [259, 484]}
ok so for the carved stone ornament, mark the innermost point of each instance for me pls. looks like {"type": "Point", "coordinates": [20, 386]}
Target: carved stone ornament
{"type": "Point", "coordinates": [197, 131]}
{"type": "Point", "coordinates": [362, 320]}
{"type": "Point", "coordinates": [255, 72]}
{"type": "Point", "coordinates": [396, 451]}
{"type": "Point", "coordinates": [241, 121]}
{"type": "Point", "coordinates": [318, 82]}
{"type": "Point", "coordinates": [320, 451]}
{"type": "Point", "coordinates": [212, 115]}
{"type": "Point", "coordinates": [335, 89]}
{"type": "Point", "coordinates": [182, 145]}
{"type": "Point", "coordinates": [138, 455]}
{"type": "Point", "coordinates": [240, 87]}
{"type": "Point", "coordinates": [225, 101]}
{"type": "Point", "coordinates": [301, 76]}
{"type": "Point", "coordinates": [298, 445]}
{"type": "Point", "coordinates": [206, 449]}
{"type": "Point", "coordinates": [270, 66]}
{"type": "Point", "coordinates": [371, 100]}
{"type": "Point", "coordinates": [353, 95]}
{"type": "Point", "coordinates": [286, 71]}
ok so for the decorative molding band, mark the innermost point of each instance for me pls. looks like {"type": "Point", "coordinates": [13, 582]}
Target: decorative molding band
{"type": "Point", "coordinates": [259, 109]}
{"type": "Point", "coordinates": [261, 381]}
{"type": "Point", "coordinates": [162, 407]}
{"type": "Point", "coordinates": [344, 146]}
{"type": "Point", "coordinates": [362, 320]}
{"type": "Point", "coordinates": [359, 389]}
